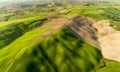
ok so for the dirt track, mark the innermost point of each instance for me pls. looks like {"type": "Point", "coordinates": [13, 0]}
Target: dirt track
{"type": "Point", "coordinates": [55, 25]}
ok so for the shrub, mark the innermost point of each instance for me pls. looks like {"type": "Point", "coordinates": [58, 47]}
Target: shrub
{"type": "Point", "coordinates": [112, 13]}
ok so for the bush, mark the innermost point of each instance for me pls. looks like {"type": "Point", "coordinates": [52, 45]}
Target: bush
{"type": "Point", "coordinates": [112, 13]}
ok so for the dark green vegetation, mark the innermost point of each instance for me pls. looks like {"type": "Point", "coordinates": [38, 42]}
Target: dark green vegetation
{"type": "Point", "coordinates": [10, 53]}
{"type": "Point", "coordinates": [112, 13]}
{"type": "Point", "coordinates": [60, 52]}
{"type": "Point", "coordinates": [115, 25]}
{"type": "Point", "coordinates": [15, 30]}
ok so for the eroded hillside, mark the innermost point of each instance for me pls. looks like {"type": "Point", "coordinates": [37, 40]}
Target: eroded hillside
{"type": "Point", "coordinates": [82, 27]}
{"type": "Point", "coordinates": [98, 34]}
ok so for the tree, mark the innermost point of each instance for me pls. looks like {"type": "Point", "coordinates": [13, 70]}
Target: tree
{"type": "Point", "coordinates": [112, 13]}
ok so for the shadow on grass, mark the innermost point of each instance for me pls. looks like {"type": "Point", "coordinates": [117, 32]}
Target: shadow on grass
{"type": "Point", "coordinates": [13, 31]}
{"type": "Point", "coordinates": [61, 52]}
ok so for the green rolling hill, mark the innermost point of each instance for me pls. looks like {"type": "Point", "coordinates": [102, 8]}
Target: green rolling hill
{"type": "Point", "coordinates": [40, 41]}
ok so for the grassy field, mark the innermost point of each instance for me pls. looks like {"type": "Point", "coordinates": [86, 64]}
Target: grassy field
{"type": "Point", "coordinates": [61, 52]}
{"type": "Point", "coordinates": [110, 66]}
{"type": "Point", "coordinates": [26, 20]}
{"type": "Point", "coordinates": [4, 15]}
{"type": "Point", "coordinates": [16, 46]}
{"type": "Point", "coordinates": [42, 14]}
{"type": "Point", "coordinates": [93, 12]}
{"type": "Point", "coordinates": [17, 28]}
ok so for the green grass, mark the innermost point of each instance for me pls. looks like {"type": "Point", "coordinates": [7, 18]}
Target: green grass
{"type": "Point", "coordinates": [61, 52]}
{"type": "Point", "coordinates": [37, 14]}
{"type": "Point", "coordinates": [8, 53]}
{"type": "Point", "coordinates": [41, 14]}
{"type": "Point", "coordinates": [110, 66]}
{"type": "Point", "coordinates": [13, 31]}
{"type": "Point", "coordinates": [10, 30]}
{"type": "Point", "coordinates": [4, 15]}
{"type": "Point", "coordinates": [26, 20]}
{"type": "Point", "coordinates": [96, 14]}
{"type": "Point", "coordinates": [93, 12]}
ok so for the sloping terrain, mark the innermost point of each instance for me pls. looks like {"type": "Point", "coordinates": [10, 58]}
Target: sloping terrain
{"type": "Point", "coordinates": [61, 52]}
{"type": "Point", "coordinates": [56, 47]}
{"type": "Point", "coordinates": [14, 29]}
{"type": "Point", "coordinates": [24, 41]}
{"type": "Point", "coordinates": [49, 48]}
{"type": "Point", "coordinates": [99, 34]}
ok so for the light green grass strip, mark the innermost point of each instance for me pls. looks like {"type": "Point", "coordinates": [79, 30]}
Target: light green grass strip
{"type": "Point", "coordinates": [20, 20]}
{"type": "Point", "coordinates": [3, 15]}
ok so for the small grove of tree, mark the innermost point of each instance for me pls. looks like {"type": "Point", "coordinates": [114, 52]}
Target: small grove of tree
{"type": "Point", "coordinates": [112, 13]}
